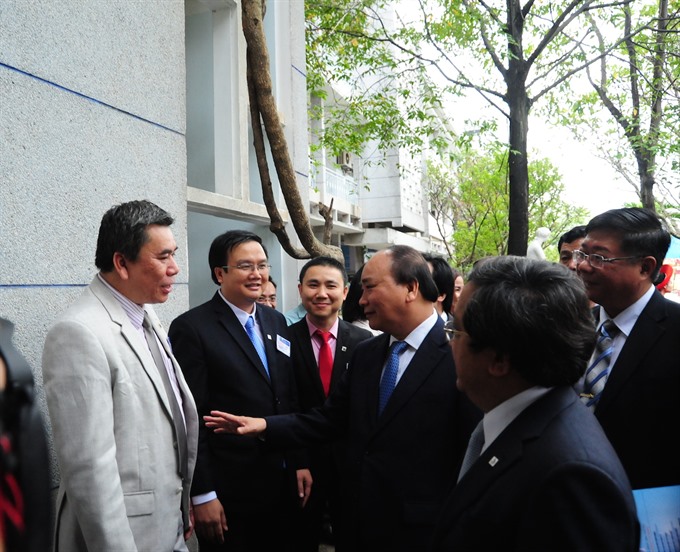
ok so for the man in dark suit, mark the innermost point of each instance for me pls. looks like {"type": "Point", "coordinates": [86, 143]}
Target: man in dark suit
{"type": "Point", "coordinates": [543, 475]}
{"type": "Point", "coordinates": [639, 393]}
{"type": "Point", "coordinates": [403, 449]}
{"type": "Point", "coordinates": [323, 287]}
{"type": "Point", "coordinates": [243, 496]}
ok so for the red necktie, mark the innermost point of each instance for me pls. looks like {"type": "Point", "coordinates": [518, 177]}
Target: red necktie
{"type": "Point", "coordinates": [325, 360]}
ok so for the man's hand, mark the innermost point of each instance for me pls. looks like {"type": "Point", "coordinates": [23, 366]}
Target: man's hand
{"type": "Point", "coordinates": [222, 422]}
{"type": "Point", "coordinates": [192, 523]}
{"type": "Point", "coordinates": [304, 485]}
{"type": "Point", "coordinates": [211, 522]}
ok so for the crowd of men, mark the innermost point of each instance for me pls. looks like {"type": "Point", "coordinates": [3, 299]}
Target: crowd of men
{"type": "Point", "coordinates": [515, 412]}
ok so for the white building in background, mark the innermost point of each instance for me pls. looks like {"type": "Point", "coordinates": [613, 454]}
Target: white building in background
{"type": "Point", "coordinates": [103, 102]}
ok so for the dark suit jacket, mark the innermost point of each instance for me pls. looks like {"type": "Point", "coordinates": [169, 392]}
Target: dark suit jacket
{"type": "Point", "coordinates": [310, 388]}
{"type": "Point", "coordinates": [400, 464]}
{"type": "Point", "coordinates": [640, 406]}
{"type": "Point", "coordinates": [550, 481]}
{"type": "Point", "coordinates": [225, 373]}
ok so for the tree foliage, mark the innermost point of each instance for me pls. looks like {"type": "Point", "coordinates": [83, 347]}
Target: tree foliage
{"type": "Point", "coordinates": [637, 82]}
{"type": "Point", "coordinates": [399, 61]}
{"type": "Point", "coordinates": [473, 198]}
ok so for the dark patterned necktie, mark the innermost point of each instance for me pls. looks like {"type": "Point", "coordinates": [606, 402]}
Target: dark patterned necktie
{"type": "Point", "coordinates": [598, 372]}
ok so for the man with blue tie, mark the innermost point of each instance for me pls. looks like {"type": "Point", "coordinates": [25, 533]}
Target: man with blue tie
{"type": "Point", "coordinates": [633, 382]}
{"type": "Point", "coordinates": [236, 354]}
{"type": "Point", "coordinates": [405, 423]}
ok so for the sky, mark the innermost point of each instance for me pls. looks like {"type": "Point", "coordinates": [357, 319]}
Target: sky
{"type": "Point", "coordinates": [589, 181]}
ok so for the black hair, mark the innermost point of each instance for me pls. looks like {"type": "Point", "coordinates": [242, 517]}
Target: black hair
{"type": "Point", "coordinates": [640, 230]}
{"type": "Point", "coordinates": [123, 230]}
{"type": "Point", "coordinates": [324, 261]}
{"type": "Point", "coordinates": [443, 276]}
{"type": "Point", "coordinates": [223, 245]}
{"type": "Point", "coordinates": [409, 265]}
{"type": "Point", "coordinates": [535, 312]}
{"type": "Point", "coordinates": [576, 233]}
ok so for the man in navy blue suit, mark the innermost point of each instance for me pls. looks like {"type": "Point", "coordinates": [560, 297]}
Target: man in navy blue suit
{"type": "Point", "coordinates": [544, 476]}
{"type": "Point", "coordinates": [619, 261]}
{"type": "Point", "coordinates": [401, 460]}
{"type": "Point", "coordinates": [243, 496]}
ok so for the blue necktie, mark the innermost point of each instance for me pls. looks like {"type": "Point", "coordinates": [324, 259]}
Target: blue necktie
{"type": "Point", "coordinates": [257, 343]}
{"type": "Point", "coordinates": [389, 379]}
{"type": "Point", "coordinates": [598, 372]}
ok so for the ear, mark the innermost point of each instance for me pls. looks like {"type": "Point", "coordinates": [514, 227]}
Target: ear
{"type": "Point", "coordinates": [412, 289]}
{"type": "Point", "coordinates": [218, 274]}
{"type": "Point", "coordinates": [120, 265]}
{"type": "Point", "coordinates": [344, 292]}
{"type": "Point", "coordinates": [647, 266]}
{"type": "Point", "coordinates": [500, 365]}
{"type": "Point", "coordinates": [300, 289]}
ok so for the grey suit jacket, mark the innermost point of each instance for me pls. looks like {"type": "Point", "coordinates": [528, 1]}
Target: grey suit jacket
{"type": "Point", "coordinates": [120, 486]}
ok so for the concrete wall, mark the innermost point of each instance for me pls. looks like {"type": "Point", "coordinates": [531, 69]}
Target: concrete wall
{"type": "Point", "coordinates": [92, 113]}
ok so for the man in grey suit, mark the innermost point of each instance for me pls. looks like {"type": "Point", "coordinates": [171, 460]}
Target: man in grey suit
{"type": "Point", "coordinates": [112, 384]}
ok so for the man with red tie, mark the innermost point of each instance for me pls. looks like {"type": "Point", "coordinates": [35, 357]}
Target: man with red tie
{"type": "Point", "coordinates": [321, 347]}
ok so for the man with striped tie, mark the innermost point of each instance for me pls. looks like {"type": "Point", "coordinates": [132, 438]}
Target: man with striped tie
{"type": "Point", "coordinates": [633, 379]}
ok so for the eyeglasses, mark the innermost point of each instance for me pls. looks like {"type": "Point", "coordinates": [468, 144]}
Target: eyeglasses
{"type": "Point", "coordinates": [595, 260]}
{"type": "Point", "coordinates": [249, 267]}
{"type": "Point", "coordinates": [451, 332]}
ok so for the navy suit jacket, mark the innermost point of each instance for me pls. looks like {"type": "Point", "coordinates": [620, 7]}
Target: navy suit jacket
{"type": "Point", "coordinates": [550, 481]}
{"type": "Point", "coordinates": [640, 406]}
{"type": "Point", "coordinates": [310, 388]}
{"type": "Point", "coordinates": [400, 464]}
{"type": "Point", "coordinates": [225, 373]}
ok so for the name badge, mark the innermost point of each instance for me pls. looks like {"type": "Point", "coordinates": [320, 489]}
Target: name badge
{"type": "Point", "coordinates": [283, 345]}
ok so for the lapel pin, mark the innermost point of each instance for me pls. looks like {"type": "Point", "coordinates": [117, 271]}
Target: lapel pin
{"type": "Point", "coordinates": [493, 461]}
{"type": "Point", "coordinates": [269, 337]}
{"type": "Point", "coordinates": [344, 348]}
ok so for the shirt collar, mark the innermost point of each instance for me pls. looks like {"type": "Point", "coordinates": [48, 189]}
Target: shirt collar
{"type": "Point", "coordinates": [240, 314]}
{"type": "Point", "coordinates": [418, 335]}
{"type": "Point", "coordinates": [333, 329]}
{"type": "Point", "coordinates": [134, 311]}
{"type": "Point", "coordinates": [627, 318]}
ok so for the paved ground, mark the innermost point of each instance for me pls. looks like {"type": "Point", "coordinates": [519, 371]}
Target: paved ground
{"type": "Point", "coordinates": [193, 546]}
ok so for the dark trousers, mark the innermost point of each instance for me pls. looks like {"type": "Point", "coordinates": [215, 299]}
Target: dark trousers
{"type": "Point", "coordinates": [265, 530]}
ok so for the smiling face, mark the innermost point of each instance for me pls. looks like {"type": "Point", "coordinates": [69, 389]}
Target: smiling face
{"type": "Point", "coordinates": [322, 292]}
{"type": "Point", "coordinates": [618, 284]}
{"type": "Point", "coordinates": [149, 278]}
{"type": "Point", "coordinates": [243, 287]}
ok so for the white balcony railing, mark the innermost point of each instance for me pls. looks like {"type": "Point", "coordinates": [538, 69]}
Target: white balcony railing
{"type": "Point", "coordinates": [332, 183]}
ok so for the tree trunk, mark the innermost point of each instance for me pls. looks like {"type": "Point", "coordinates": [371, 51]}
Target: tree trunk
{"type": "Point", "coordinates": [518, 107]}
{"type": "Point", "coordinates": [263, 105]}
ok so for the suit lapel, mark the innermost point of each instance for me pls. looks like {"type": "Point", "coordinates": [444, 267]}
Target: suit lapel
{"type": "Point", "coordinates": [342, 352]}
{"type": "Point", "coordinates": [306, 356]}
{"type": "Point", "coordinates": [427, 357]}
{"type": "Point", "coordinates": [508, 447]}
{"type": "Point", "coordinates": [646, 332]}
{"type": "Point", "coordinates": [133, 338]}
{"type": "Point", "coordinates": [227, 318]}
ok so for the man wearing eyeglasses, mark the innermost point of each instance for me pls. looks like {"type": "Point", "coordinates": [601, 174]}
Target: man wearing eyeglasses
{"type": "Point", "coordinates": [633, 379]}
{"type": "Point", "coordinates": [236, 355]}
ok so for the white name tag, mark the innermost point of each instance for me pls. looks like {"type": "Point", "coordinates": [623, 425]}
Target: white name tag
{"type": "Point", "coordinates": [283, 345]}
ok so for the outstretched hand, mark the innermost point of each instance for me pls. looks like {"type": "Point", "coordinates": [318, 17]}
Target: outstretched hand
{"type": "Point", "coordinates": [223, 422]}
